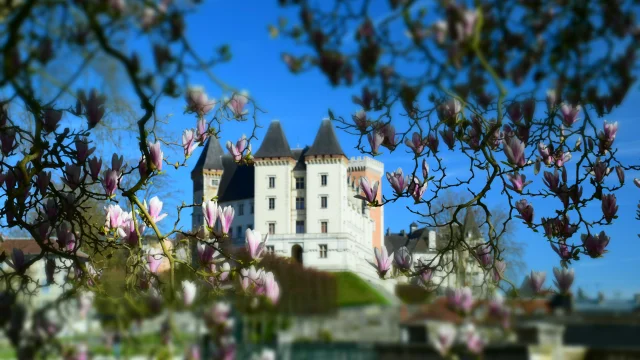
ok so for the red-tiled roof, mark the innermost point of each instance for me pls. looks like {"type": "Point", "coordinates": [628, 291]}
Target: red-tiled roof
{"type": "Point", "coordinates": [28, 246]}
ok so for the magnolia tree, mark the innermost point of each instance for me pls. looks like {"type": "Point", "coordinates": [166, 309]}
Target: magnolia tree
{"type": "Point", "coordinates": [519, 92]}
{"type": "Point", "coordinates": [472, 77]}
{"type": "Point", "coordinates": [51, 171]}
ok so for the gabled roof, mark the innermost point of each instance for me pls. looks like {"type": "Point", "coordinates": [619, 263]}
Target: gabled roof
{"type": "Point", "coordinates": [326, 142]}
{"type": "Point", "coordinates": [275, 143]}
{"type": "Point", "coordinates": [210, 157]}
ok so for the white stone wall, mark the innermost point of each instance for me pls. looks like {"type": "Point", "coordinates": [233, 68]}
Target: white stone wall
{"type": "Point", "coordinates": [335, 191]}
{"type": "Point", "coordinates": [281, 215]}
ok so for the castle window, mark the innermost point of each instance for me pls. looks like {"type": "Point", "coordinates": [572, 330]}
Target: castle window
{"type": "Point", "coordinates": [272, 203]}
{"type": "Point", "coordinates": [299, 183]}
{"type": "Point", "coordinates": [272, 182]}
{"type": "Point", "coordinates": [323, 180]}
{"type": "Point", "coordinates": [239, 228]}
{"type": "Point", "coordinates": [300, 227]}
{"type": "Point", "coordinates": [323, 202]}
{"type": "Point", "coordinates": [299, 203]}
{"type": "Point", "coordinates": [270, 249]}
{"type": "Point", "coordinates": [272, 228]}
{"type": "Point", "coordinates": [215, 182]}
{"type": "Point", "coordinates": [241, 209]}
{"type": "Point", "coordinates": [324, 227]}
{"type": "Point", "coordinates": [323, 251]}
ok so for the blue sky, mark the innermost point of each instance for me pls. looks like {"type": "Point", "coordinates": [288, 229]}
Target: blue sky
{"type": "Point", "coordinates": [300, 102]}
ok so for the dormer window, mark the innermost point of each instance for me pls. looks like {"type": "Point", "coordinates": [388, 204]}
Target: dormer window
{"type": "Point", "coordinates": [215, 182]}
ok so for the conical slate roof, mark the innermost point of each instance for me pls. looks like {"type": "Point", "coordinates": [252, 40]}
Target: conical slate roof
{"type": "Point", "coordinates": [470, 224]}
{"type": "Point", "coordinates": [275, 144]}
{"type": "Point", "coordinates": [211, 156]}
{"type": "Point", "coordinates": [326, 142]}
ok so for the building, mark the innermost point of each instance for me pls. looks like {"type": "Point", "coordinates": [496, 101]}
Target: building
{"type": "Point", "coordinates": [304, 198]}
{"type": "Point", "coordinates": [454, 268]}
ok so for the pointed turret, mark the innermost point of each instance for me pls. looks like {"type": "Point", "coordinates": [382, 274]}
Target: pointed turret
{"type": "Point", "coordinates": [326, 142]}
{"type": "Point", "coordinates": [470, 225]}
{"type": "Point", "coordinates": [274, 144]}
{"type": "Point", "coordinates": [211, 156]}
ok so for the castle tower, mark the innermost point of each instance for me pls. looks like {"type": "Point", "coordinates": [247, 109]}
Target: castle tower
{"type": "Point", "coordinates": [274, 163]}
{"type": "Point", "coordinates": [327, 194]}
{"type": "Point", "coordinates": [206, 177]}
{"type": "Point", "coordinates": [372, 170]}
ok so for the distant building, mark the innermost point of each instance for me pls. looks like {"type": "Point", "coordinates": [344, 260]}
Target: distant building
{"type": "Point", "coordinates": [455, 268]}
{"type": "Point", "coordinates": [303, 198]}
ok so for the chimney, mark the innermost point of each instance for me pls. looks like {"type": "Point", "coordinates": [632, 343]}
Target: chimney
{"type": "Point", "coordinates": [413, 227]}
{"type": "Point", "coordinates": [388, 232]}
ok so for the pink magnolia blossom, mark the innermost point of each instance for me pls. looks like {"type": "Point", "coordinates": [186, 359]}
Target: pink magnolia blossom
{"type": "Point", "coordinates": [552, 180]}
{"type": "Point", "coordinates": [361, 121]}
{"type": "Point", "coordinates": [206, 253]}
{"type": "Point", "coordinates": [154, 208]}
{"type": "Point", "coordinates": [202, 130]}
{"type": "Point", "coordinates": [66, 238]}
{"type": "Point", "coordinates": [8, 141]}
{"type": "Point", "coordinates": [17, 262]}
{"type": "Point", "coordinates": [226, 218]}
{"type": "Point", "coordinates": [564, 279]}
{"type": "Point", "coordinates": [444, 339]}
{"type": "Point", "coordinates": [448, 136]}
{"type": "Point", "coordinates": [44, 178]}
{"type": "Point", "coordinates": [188, 142]}
{"type": "Point", "coordinates": [620, 173]}
{"type": "Point", "coordinates": [415, 143]}
{"type": "Point", "coordinates": [460, 300]}
{"type": "Point", "coordinates": [210, 210]}
{"type": "Point", "coordinates": [370, 193]}
{"type": "Point", "coordinates": [528, 109]}
{"type": "Point", "coordinates": [224, 274]}
{"type": "Point", "coordinates": [514, 150]}
{"type": "Point", "coordinates": [498, 270]}
{"type": "Point", "coordinates": [250, 278]}
{"type": "Point", "coordinates": [127, 231]}
{"type": "Point", "coordinates": [198, 101]}
{"type": "Point", "coordinates": [82, 149]}
{"type": "Point", "coordinates": [636, 181]}
{"type": "Point", "coordinates": [156, 155]}
{"type": "Point", "coordinates": [518, 182]}
{"type": "Point", "coordinates": [238, 149]}
{"type": "Point", "coordinates": [383, 261]}
{"type": "Point", "coordinates": [375, 140]}
{"type": "Point", "coordinates": [448, 111]}
{"type": "Point", "coordinates": [569, 114]}
{"type": "Point", "coordinates": [525, 210]}
{"type": "Point", "coordinates": [50, 120]}
{"type": "Point", "coordinates": [270, 287]}
{"type": "Point", "coordinates": [563, 251]}
{"type": "Point", "coordinates": [116, 162]}
{"type": "Point", "coordinates": [51, 209]}
{"type": "Point", "coordinates": [95, 165]}
{"type": "Point", "coordinates": [484, 255]}
{"type": "Point", "coordinates": [403, 259]}
{"type": "Point", "coordinates": [188, 292]}
{"type": "Point", "coordinates": [609, 207]}
{"type": "Point", "coordinates": [475, 343]}
{"type": "Point", "coordinates": [433, 142]}
{"type": "Point", "coordinates": [599, 171]}
{"type": "Point", "coordinates": [142, 167]}
{"type": "Point", "coordinates": [72, 176]}
{"type": "Point", "coordinates": [607, 136]}
{"type": "Point", "coordinates": [254, 244]}
{"type": "Point", "coordinates": [237, 104]}
{"type": "Point", "coordinates": [417, 190]}
{"type": "Point", "coordinates": [115, 216]}
{"type": "Point", "coordinates": [551, 100]}
{"type": "Point", "coordinates": [398, 181]}
{"type": "Point", "coordinates": [110, 182]}
{"type": "Point", "coordinates": [514, 111]}
{"type": "Point", "coordinates": [94, 106]}
{"type": "Point", "coordinates": [425, 169]}
{"type": "Point", "coordinates": [536, 280]}
{"type": "Point", "coordinates": [154, 259]}
{"type": "Point", "coordinates": [595, 245]}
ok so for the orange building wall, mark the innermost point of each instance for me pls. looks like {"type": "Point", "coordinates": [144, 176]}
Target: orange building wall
{"type": "Point", "coordinates": [377, 212]}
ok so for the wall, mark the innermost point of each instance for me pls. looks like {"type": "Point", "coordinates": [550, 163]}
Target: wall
{"type": "Point", "coordinates": [281, 215]}
{"type": "Point", "coordinates": [372, 170]}
{"type": "Point", "coordinates": [335, 190]}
